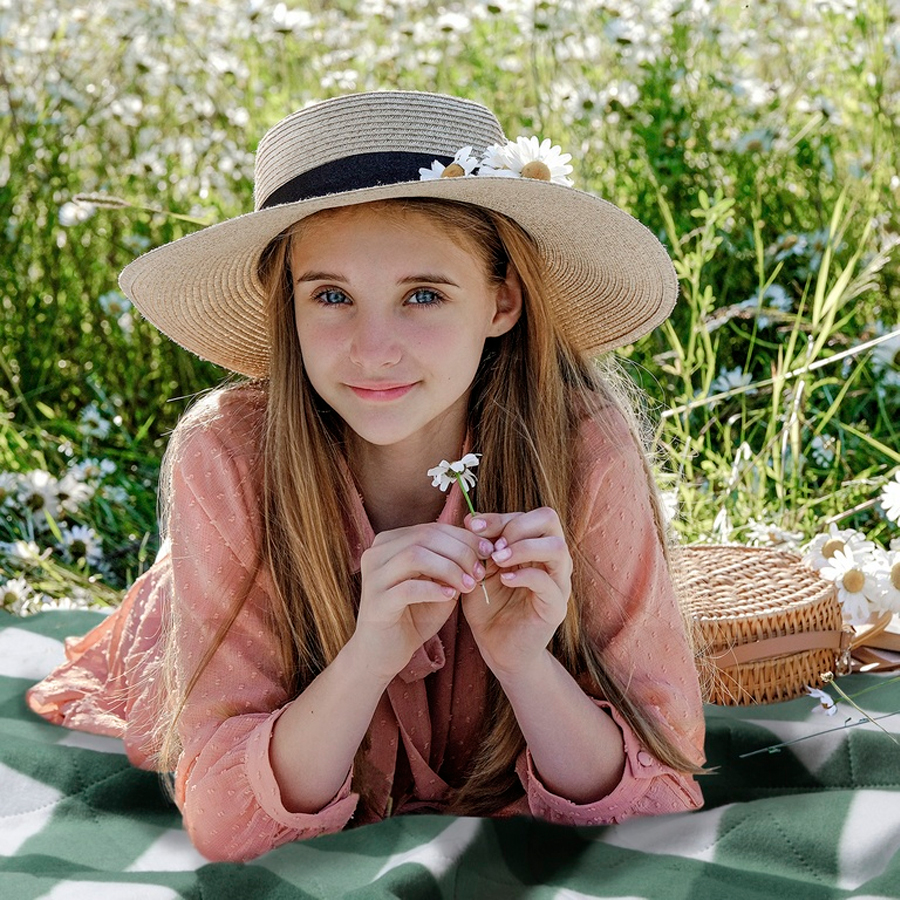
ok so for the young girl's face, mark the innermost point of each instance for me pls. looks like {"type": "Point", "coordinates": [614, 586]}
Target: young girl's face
{"type": "Point", "coordinates": [392, 312]}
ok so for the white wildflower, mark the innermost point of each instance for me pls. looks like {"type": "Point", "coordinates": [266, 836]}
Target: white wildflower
{"type": "Point", "coordinates": [92, 470]}
{"type": "Point", "coordinates": [9, 488]}
{"type": "Point", "coordinates": [890, 498]}
{"type": "Point", "coordinates": [826, 701]}
{"type": "Point", "coordinates": [114, 303]}
{"type": "Point", "coordinates": [82, 542]}
{"type": "Point", "coordinates": [819, 552]}
{"type": "Point", "coordinates": [23, 553]}
{"type": "Point", "coordinates": [93, 424]}
{"type": "Point", "coordinates": [887, 575]}
{"type": "Point", "coordinates": [669, 503]}
{"type": "Point", "coordinates": [73, 493]}
{"type": "Point", "coordinates": [72, 213]}
{"type": "Point", "coordinates": [768, 534]}
{"type": "Point", "coordinates": [886, 355]}
{"type": "Point", "coordinates": [464, 163]}
{"type": "Point", "coordinates": [527, 157]}
{"type": "Point", "coordinates": [444, 475]}
{"type": "Point", "coordinates": [14, 595]}
{"type": "Point", "coordinates": [115, 494]}
{"type": "Point", "coordinates": [39, 493]}
{"type": "Point", "coordinates": [821, 449]}
{"type": "Point", "coordinates": [858, 588]}
{"type": "Point", "coordinates": [731, 379]}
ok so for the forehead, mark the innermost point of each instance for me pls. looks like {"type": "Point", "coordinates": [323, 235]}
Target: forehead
{"type": "Point", "coordinates": [425, 227]}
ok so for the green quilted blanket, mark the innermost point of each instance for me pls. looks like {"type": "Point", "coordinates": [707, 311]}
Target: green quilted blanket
{"type": "Point", "coordinates": [818, 819]}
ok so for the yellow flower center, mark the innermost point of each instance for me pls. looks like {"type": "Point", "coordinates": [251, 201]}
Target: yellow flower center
{"type": "Point", "coordinates": [454, 170]}
{"type": "Point", "coordinates": [536, 169]}
{"type": "Point", "coordinates": [853, 581]}
{"type": "Point", "coordinates": [831, 546]}
{"type": "Point", "coordinates": [895, 575]}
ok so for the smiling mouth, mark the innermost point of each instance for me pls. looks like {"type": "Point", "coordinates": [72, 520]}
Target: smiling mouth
{"type": "Point", "coordinates": [381, 392]}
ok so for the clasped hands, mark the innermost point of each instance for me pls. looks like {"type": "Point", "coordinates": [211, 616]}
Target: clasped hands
{"type": "Point", "coordinates": [413, 577]}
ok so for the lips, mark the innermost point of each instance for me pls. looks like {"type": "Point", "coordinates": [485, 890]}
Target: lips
{"type": "Point", "coordinates": [380, 392]}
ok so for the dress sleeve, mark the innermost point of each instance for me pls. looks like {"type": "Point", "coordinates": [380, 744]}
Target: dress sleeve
{"type": "Point", "coordinates": [224, 783]}
{"type": "Point", "coordinates": [635, 622]}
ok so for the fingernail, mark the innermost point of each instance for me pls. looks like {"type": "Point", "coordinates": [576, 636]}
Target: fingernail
{"type": "Point", "coordinates": [485, 549]}
{"type": "Point", "coordinates": [508, 576]}
{"type": "Point", "coordinates": [477, 524]}
{"type": "Point", "coordinates": [468, 581]}
{"type": "Point", "coordinates": [499, 545]}
{"type": "Point", "coordinates": [448, 591]}
{"type": "Point", "coordinates": [500, 555]}
{"type": "Point", "coordinates": [478, 571]}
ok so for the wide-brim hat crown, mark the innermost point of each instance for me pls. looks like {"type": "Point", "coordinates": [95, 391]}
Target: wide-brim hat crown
{"type": "Point", "coordinates": [613, 279]}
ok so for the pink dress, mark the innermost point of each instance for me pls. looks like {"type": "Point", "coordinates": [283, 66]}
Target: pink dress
{"type": "Point", "coordinates": [427, 720]}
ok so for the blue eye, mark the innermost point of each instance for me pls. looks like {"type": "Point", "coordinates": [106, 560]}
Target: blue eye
{"type": "Point", "coordinates": [331, 297]}
{"type": "Point", "coordinates": [424, 297]}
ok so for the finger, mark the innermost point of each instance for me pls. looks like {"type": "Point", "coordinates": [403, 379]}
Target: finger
{"type": "Point", "coordinates": [552, 552]}
{"type": "Point", "coordinates": [422, 590]}
{"type": "Point", "coordinates": [551, 600]}
{"type": "Point", "coordinates": [408, 547]}
{"type": "Point", "coordinates": [489, 525]}
{"type": "Point", "coordinates": [541, 522]}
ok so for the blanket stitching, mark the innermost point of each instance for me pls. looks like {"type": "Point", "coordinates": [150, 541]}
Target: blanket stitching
{"type": "Point", "coordinates": [797, 854]}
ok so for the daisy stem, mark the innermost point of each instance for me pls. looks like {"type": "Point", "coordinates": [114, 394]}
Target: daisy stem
{"type": "Point", "coordinates": [828, 678]}
{"type": "Point", "coordinates": [465, 494]}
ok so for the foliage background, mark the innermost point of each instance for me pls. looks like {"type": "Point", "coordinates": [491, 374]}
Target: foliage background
{"type": "Point", "coordinates": [760, 141]}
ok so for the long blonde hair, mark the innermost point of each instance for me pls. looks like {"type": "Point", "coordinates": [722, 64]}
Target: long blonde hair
{"type": "Point", "coordinates": [530, 395]}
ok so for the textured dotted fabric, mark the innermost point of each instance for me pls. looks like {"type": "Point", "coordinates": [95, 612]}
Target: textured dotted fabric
{"type": "Point", "coordinates": [427, 720]}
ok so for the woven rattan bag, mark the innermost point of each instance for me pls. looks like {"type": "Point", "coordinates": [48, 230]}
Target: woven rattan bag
{"type": "Point", "coordinates": [765, 625]}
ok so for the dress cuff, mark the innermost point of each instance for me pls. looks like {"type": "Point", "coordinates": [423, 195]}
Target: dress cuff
{"type": "Point", "coordinates": [633, 795]}
{"type": "Point", "coordinates": [330, 818]}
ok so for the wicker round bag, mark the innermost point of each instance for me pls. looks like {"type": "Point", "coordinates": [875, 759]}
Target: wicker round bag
{"type": "Point", "coordinates": [765, 625]}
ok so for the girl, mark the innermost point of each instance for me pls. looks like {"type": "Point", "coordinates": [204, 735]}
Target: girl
{"type": "Point", "coordinates": [328, 637]}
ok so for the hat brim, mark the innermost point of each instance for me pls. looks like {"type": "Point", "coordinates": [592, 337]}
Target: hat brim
{"type": "Point", "coordinates": [614, 279]}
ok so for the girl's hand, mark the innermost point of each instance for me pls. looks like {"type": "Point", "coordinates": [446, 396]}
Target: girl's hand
{"type": "Point", "coordinates": [411, 578]}
{"type": "Point", "coordinates": [529, 579]}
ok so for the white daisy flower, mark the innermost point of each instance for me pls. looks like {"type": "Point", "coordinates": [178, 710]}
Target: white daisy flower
{"type": "Point", "coordinates": [886, 355]}
{"type": "Point", "coordinates": [444, 475]}
{"type": "Point", "coordinates": [114, 303]}
{"type": "Point", "coordinates": [888, 578]}
{"type": "Point", "coordinates": [9, 487]}
{"type": "Point", "coordinates": [15, 594]}
{"type": "Point", "coordinates": [45, 603]}
{"type": "Point", "coordinates": [73, 493]}
{"type": "Point", "coordinates": [23, 553]}
{"type": "Point", "coordinates": [527, 157]}
{"type": "Point", "coordinates": [890, 498]}
{"type": "Point", "coordinates": [669, 504]}
{"type": "Point", "coordinates": [39, 492]}
{"type": "Point", "coordinates": [826, 701]}
{"type": "Point", "coordinates": [729, 379]}
{"type": "Point", "coordinates": [115, 494]}
{"type": "Point", "coordinates": [821, 449]}
{"type": "Point", "coordinates": [92, 469]}
{"type": "Point", "coordinates": [464, 163]}
{"type": "Point", "coordinates": [858, 589]}
{"type": "Point", "coordinates": [81, 542]}
{"type": "Point", "coordinates": [768, 534]}
{"type": "Point", "coordinates": [93, 424]}
{"type": "Point", "coordinates": [819, 552]}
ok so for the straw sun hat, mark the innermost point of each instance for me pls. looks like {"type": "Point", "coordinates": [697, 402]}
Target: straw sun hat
{"type": "Point", "coordinates": [614, 278]}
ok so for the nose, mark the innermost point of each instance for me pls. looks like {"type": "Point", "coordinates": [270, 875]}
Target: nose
{"type": "Point", "coordinates": [374, 343]}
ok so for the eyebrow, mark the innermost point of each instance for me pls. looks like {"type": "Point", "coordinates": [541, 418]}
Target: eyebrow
{"type": "Point", "coordinates": [426, 277]}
